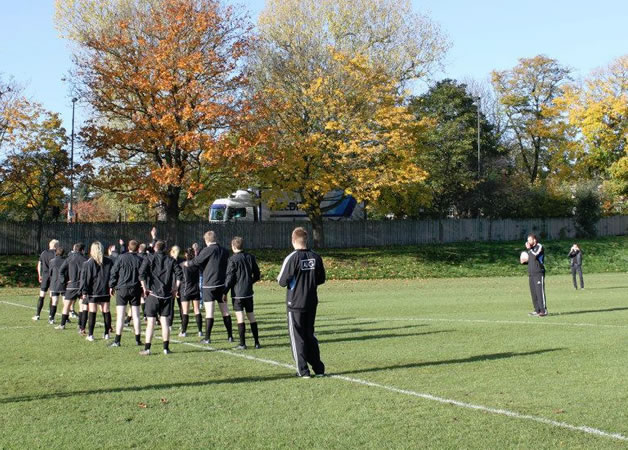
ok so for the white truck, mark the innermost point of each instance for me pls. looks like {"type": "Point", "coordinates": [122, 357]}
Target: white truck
{"type": "Point", "coordinates": [245, 205]}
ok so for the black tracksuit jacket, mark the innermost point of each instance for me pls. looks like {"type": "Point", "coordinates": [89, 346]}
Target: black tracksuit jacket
{"type": "Point", "coordinates": [242, 272]}
{"type": "Point", "coordinates": [95, 279]}
{"type": "Point", "coordinates": [71, 270]}
{"type": "Point", "coordinates": [536, 260]}
{"type": "Point", "coordinates": [57, 281]}
{"type": "Point", "coordinates": [125, 273]}
{"type": "Point", "coordinates": [45, 258]}
{"type": "Point", "coordinates": [160, 272]}
{"type": "Point", "coordinates": [189, 287]}
{"type": "Point", "coordinates": [302, 271]}
{"type": "Point", "coordinates": [212, 260]}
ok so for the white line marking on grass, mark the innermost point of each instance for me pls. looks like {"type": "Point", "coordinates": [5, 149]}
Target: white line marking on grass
{"type": "Point", "coordinates": [17, 328]}
{"type": "Point", "coordinates": [17, 304]}
{"type": "Point", "coordinates": [502, 412]}
{"type": "Point", "coordinates": [532, 321]}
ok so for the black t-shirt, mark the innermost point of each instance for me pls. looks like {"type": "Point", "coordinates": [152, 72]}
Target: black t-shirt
{"type": "Point", "coordinates": [45, 258]}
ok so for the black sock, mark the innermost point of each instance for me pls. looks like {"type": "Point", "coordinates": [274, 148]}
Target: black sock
{"type": "Point", "coordinates": [254, 332]}
{"type": "Point", "coordinates": [180, 310]}
{"type": "Point", "coordinates": [64, 319]}
{"type": "Point", "coordinates": [117, 339]}
{"type": "Point", "coordinates": [144, 309]}
{"type": "Point", "coordinates": [40, 305]}
{"type": "Point", "coordinates": [92, 322]}
{"type": "Point", "coordinates": [228, 325]}
{"type": "Point", "coordinates": [147, 346]}
{"type": "Point", "coordinates": [138, 338]}
{"type": "Point", "coordinates": [184, 323]}
{"type": "Point", "coordinates": [53, 312]}
{"type": "Point", "coordinates": [107, 322]}
{"type": "Point", "coordinates": [82, 319]}
{"type": "Point", "coordinates": [209, 324]}
{"type": "Point", "coordinates": [166, 345]}
{"type": "Point", "coordinates": [241, 331]}
{"type": "Point", "coordinates": [199, 322]}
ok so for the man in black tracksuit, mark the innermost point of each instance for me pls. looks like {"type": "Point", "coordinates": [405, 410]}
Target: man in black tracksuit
{"type": "Point", "coordinates": [71, 273]}
{"type": "Point", "coordinates": [57, 282]}
{"type": "Point", "coordinates": [160, 276]}
{"type": "Point", "coordinates": [575, 261]}
{"type": "Point", "coordinates": [43, 274]}
{"type": "Point", "coordinates": [536, 275]}
{"type": "Point", "coordinates": [242, 273]}
{"type": "Point", "coordinates": [212, 261]}
{"type": "Point", "coordinates": [125, 279]}
{"type": "Point", "coordinates": [302, 271]}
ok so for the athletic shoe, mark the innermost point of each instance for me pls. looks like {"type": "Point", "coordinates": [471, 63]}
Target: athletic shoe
{"type": "Point", "coordinates": [35, 317]}
{"type": "Point", "coordinates": [114, 344]}
{"type": "Point", "coordinates": [257, 346]}
{"type": "Point", "coordinates": [73, 315]}
{"type": "Point", "coordinates": [201, 334]}
{"type": "Point", "coordinates": [106, 336]}
{"type": "Point", "coordinates": [307, 376]}
{"type": "Point", "coordinates": [182, 334]}
{"type": "Point", "coordinates": [145, 352]}
{"type": "Point", "coordinates": [81, 332]}
{"type": "Point", "coordinates": [138, 343]}
{"type": "Point", "coordinates": [90, 338]}
{"type": "Point", "coordinates": [319, 375]}
{"type": "Point", "coordinates": [167, 351]}
{"type": "Point", "coordinates": [533, 313]}
{"type": "Point", "coordinates": [51, 322]}
{"type": "Point", "coordinates": [542, 314]}
{"type": "Point", "coordinates": [240, 347]}
{"type": "Point", "coordinates": [230, 339]}
{"type": "Point", "coordinates": [206, 341]}
{"type": "Point", "coordinates": [60, 327]}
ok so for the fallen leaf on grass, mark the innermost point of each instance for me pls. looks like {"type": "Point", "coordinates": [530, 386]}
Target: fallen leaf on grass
{"type": "Point", "coordinates": [142, 405]}
{"type": "Point", "coordinates": [559, 411]}
{"type": "Point", "coordinates": [163, 400]}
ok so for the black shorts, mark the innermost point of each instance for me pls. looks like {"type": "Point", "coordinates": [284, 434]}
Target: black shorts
{"type": "Point", "coordinates": [72, 294]}
{"type": "Point", "coordinates": [45, 284]}
{"type": "Point", "coordinates": [157, 306]}
{"type": "Point", "coordinates": [56, 294]}
{"type": "Point", "coordinates": [99, 299]}
{"type": "Point", "coordinates": [211, 294]}
{"type": "Point", "coordinates": [125, 296]}
{"type": "Point", "coordinates": [243, 304]}
{"type": "Point", "coordinates": [189, 298]}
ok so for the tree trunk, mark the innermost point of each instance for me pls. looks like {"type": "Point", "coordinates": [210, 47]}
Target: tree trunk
{"type": "Point", "coordinates": [318, 235]}
{"type": "Point", "coordinates": [40, 230]}
{"type": "Point", "coordinates": [172, 217]}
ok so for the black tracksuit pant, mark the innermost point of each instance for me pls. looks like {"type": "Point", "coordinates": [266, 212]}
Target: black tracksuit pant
{"type": "Point", "coordinates": [303, 342]}
{"type": "Point", "coordinates": [576, 269]}
{"type": "Point", "coordinates": [537, 292]}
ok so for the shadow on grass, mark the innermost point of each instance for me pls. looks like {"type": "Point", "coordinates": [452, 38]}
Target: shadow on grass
{"type": "Point", "coordinates": [588, 311]}
{"type": "Point", "coordinates": [55, 395]}
{"type": "Point", "coordinates": [470, 359]}
{"type": "Point", "coordinates": [342, 331]}
{"type": "Point", "coordinates": [364, 338]}
{"type": "Point", "coordinates": [607, 287]}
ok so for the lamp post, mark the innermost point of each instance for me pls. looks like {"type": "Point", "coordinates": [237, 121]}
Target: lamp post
{"type": "Point", "coordinates": [71, 210]}
{"type": "Point", "coordinates": [478, 107]}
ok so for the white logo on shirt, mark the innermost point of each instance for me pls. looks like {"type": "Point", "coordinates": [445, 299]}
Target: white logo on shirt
{"type": "Point", "coordinates": [308, 264]}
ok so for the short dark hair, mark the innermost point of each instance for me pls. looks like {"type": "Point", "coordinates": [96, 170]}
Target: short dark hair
{"type": "Point", "coordinates": [59, 251]}
{"type": "Point", "coordinates": [133, 245]}
{"type": "Point", "coordinates": [78, 247]}
{"type": "Point", "coordinates": [237, 242]}
{"type": "Point", "coordinates": [159, 245]}
{"type": "Point", "coordinates": [533, 236]}
{"type": "Point", "coordinates": [190, 254]}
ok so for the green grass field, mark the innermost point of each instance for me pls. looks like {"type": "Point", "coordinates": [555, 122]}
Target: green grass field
{"type": "Point", "coordinates": [447, 363]}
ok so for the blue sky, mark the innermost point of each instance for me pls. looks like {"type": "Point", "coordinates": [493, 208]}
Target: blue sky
{"type": "Point", "coordinates": [486, 35]}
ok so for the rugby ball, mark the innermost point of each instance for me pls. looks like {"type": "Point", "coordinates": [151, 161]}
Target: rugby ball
{"type": "Point", "coordinates": [523, 257]}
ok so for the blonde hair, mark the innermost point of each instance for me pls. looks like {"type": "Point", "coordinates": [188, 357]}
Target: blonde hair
{"type": "Point", "coordinates": [174, 251]}
{"type": "Point", "coordinates": [53, 244]}
{"type": "Point", "coordinates": [299, 236]}
{"type": "Point", "coordinates": [210, 236]}
{"type": "Point", "coordinates": [96, 252]}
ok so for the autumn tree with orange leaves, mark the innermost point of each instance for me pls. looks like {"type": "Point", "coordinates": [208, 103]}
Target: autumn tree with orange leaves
{"type": "Point", "coordinates": [162, 81]}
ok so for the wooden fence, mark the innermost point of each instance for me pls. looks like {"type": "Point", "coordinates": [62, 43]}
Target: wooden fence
{"type": "Point", "coordinates": [21, 237]}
